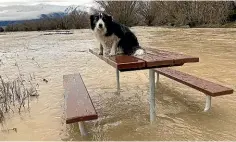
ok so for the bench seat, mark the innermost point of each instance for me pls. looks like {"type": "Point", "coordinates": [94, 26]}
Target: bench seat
{"type": "Point", "coordinates": [78, 104]}
{"type": "Point", "coordinates": [209, 88]}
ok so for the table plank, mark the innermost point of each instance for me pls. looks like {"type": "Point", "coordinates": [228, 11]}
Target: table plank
{"type": "Point", "coordinates": [121, 62]}
{"type": "Point", "coordinates": [178, 58]}
{"type": "Point", "coordinates": [156, 60]}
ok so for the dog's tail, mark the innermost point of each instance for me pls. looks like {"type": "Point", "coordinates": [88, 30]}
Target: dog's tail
{"type": "Point", "coordinates": [139, 51]}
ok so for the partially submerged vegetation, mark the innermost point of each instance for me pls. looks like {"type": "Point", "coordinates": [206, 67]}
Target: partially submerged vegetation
{"type": "Point", "coordinates": [15, 94]}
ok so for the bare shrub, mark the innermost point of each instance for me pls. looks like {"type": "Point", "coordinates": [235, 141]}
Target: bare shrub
{"type": "Point", "coordinates": [192, 12]}
{"type": "Point", "coordinates": [76, 20]}
{"type": "Point", "coordinates": [1, 29]}
{"type": "Point", "coordinates": [125, 12]}
{"type": "Point", "coordinates": [148, 10]}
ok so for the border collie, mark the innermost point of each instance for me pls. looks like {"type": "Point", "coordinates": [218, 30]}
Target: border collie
{"type": "Point", "coordinates": [114, 37]}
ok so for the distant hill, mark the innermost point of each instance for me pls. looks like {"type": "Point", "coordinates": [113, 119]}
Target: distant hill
{"type": "Point", "coordinates": [5, 23]}
{"type": "Point", "coordinates": [53, 15]}
{"type": "Point", "coordinates": [20, 13]}
{"type": "Point", "coordinates": [42, 16]}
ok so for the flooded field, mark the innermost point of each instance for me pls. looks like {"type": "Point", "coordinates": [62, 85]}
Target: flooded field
{"type": "Point", "coordinates": [124, 117]}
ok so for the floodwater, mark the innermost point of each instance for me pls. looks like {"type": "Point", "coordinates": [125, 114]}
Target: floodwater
{"type": "Point", "coordinates": [180, 113]}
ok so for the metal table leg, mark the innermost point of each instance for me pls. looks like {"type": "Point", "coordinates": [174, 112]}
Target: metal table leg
{"type": "Point", "coordinates": [82, 129]}
{"type": "Point", "coordinates": [208, 103]}
{"type": "Point", "coordinates": [157, 79]}
{"type": "Point", "coordinates": [152, 95]}
{"type": "Point", "coordinates": [118, 81]}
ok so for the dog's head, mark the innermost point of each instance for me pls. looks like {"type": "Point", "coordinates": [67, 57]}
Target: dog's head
{"type": "Point", "coordinates": [100, 22]}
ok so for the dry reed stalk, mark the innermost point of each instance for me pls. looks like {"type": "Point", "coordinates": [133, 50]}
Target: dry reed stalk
{"type": "Point", "coordinates": [16, 93]}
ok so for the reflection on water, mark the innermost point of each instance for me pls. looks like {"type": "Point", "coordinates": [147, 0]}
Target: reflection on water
{"type": "Point", "coordinates": [124, 117]}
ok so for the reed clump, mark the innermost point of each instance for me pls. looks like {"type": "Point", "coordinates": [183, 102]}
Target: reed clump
{"type": "Point", "coordinates": [15, 94]}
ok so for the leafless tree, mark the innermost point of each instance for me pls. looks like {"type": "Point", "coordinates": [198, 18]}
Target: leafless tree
{"type": "Point", "coordinates": [148, 10]}
{"type": "Point", "coordinates": [1, 29]}
{"type": "Point", "coordinates": [125, 12]}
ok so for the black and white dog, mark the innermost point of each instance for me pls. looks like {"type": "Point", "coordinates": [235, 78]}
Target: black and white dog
{"type": "Point", "coordinates": [113, 37]}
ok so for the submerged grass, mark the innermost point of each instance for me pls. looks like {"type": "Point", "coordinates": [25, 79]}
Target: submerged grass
{"type": "Point", "coordinates": [15, 94]}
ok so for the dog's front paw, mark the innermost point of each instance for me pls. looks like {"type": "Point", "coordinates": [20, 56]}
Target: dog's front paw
{"type": "Point", "coordinates": [100, 53]}
{"type": "Point", "coordinates": [112, 54]}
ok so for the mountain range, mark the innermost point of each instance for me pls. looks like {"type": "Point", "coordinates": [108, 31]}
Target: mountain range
{"type": "Point", "coordinates": [18, 13]}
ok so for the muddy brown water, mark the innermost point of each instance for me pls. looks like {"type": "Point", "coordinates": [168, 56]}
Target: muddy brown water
{"type": "Point", "coordinates": [124, 117]}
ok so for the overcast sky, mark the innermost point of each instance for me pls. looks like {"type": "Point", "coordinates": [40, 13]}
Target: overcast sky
{"type": "Point", "coordinates": [33, 2]}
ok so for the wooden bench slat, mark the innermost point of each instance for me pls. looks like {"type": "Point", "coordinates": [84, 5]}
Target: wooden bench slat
{"type": "Point", "coordinates": [79, 106]}
{"type": "Point", "coordinates": [204, 86]}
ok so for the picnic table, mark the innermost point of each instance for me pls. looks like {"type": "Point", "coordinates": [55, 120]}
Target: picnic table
{"type": "Point", "coordinates": [79, 105]}
{"type": "Point", "coordinates": [152, 59]}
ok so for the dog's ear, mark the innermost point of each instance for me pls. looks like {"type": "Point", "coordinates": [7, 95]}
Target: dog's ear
{"type": "Point", "coordinates": [109, 18]}
{"type": "Point", "coordinates": [92, 25]}
{"type": "Point", "coordinates": [91, 17]}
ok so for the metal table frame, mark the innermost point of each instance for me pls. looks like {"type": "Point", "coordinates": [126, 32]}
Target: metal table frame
{"type": "Point", "coordinates": [152, 93]}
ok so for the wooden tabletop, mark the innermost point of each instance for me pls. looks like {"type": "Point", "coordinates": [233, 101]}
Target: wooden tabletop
{"type": "Point", "coordinates": [152, 59]}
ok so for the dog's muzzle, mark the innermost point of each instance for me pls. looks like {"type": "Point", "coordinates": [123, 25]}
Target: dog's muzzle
{"type": "Point", "coordinates": [100, 26]}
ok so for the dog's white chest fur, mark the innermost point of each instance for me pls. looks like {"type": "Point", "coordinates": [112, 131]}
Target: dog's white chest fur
{"type": "Point", "coordinates": [107, 41]}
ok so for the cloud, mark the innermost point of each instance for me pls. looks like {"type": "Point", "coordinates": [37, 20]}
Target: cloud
{"type": "Point", "coordinates": [26, 12]}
